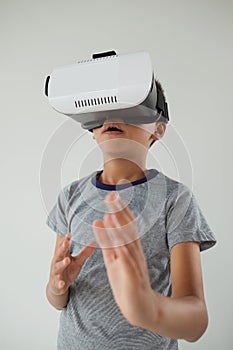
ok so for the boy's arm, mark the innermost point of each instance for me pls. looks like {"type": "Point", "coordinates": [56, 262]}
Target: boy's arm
{"type": "Point", "coordinates": [184, 315]}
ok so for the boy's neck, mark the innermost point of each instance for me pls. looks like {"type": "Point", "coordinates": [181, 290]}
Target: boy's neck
{"type": "Point", "coordinates": [121, 171]}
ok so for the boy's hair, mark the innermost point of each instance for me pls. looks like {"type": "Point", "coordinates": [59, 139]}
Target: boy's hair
{"type": "Point", "coordinates": [158, 86]}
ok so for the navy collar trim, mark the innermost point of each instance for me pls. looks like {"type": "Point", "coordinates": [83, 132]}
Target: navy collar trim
{"type": "Point", "coordinates": [152, 173]}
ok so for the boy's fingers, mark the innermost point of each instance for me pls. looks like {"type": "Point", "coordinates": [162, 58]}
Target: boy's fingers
{"type": "Point", "coordinates": [104, 240]}
{"type": "Point", "coordinates": [76, 261]}
{"type": "Point", "coordinates": [123, 235]}
{"type": "Point", "coordinates": [122, 216]}
{"type": "Point", "coordinates": [63, 248]}
{"type": "Point", "coordinates": [123, 219]}
{"type": "Point", "coordinates": [84, 254]}
{"type": "Point", "coordinates": [117, 206]}
{"type": "Point", "coordinates": [59, 282]}
{"type": "Point", "coordinates": [56, 284]}
{"type": "Point", "coordinates": [100, 233]}
{"type": "Point", "coordinates": [115, 232]}
{"type": "Point", "coordinates": [126, 246]}
{"type": "Point", "coordinates": [60, 266]}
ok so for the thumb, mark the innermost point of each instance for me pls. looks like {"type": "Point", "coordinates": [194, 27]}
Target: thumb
{"type": "Point", "coordinates": [82, 256]}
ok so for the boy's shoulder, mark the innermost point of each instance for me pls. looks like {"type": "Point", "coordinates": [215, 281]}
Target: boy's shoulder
{"type": "Point", "coordinates": [171, 185]}
{"type": "Point", "coordinates": [77, 186]}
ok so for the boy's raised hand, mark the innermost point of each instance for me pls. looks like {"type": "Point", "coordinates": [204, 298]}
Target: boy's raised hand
{"type": "Point", "coordinates": [64, 267]}
{"type": "Point", "coordinates": [124, 260]}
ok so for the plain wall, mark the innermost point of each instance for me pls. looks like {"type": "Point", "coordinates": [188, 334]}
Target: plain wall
{"type": "Point", "coordinates": [190, 43]}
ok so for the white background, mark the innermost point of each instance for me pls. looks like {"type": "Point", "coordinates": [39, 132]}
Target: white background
{"type": "Point", "coordinates": [190, 43]}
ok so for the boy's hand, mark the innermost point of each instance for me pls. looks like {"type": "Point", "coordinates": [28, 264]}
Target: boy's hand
{"type": "Point", "coordinates": [125, 262]}
{"type": "Point", "coordinates": [64, 267]}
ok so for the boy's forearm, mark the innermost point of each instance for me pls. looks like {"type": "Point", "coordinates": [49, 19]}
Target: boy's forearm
{"type": "Point", "coordinates": [57, 301]}
{"type": "Point", "coordinates": [179, 318]}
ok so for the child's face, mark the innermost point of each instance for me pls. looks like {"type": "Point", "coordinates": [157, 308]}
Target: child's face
{"type": "Point", "coordinates": [143, 134]}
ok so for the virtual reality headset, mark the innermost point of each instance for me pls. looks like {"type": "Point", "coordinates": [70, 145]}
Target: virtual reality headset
{"type": "Point", "coordinates": [108, 87]}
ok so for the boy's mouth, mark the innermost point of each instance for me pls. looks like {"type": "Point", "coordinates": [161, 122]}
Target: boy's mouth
{"type": "Point", "coordinates": [112, 128]}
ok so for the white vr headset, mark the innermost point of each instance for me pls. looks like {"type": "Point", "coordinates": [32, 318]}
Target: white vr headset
{"type": "Point", "coordinates": [107, 87]}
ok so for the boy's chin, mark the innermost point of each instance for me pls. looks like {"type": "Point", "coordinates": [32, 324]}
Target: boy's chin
{"type": "Point", "coordinates": [123, 148]}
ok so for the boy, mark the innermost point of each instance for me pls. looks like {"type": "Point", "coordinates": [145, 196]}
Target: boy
{"type": "Point", "coordinates": [126, 270]}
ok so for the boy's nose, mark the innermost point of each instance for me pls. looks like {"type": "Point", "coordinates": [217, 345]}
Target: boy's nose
{"type": "Point", "coordinates": [113, 120]}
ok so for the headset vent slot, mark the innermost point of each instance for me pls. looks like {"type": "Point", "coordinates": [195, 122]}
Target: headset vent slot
{"type": "Point", "coordinates": [95, 101]}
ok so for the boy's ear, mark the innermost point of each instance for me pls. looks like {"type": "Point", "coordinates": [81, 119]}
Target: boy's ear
{"type": "Point", "coordinates": [159, 131]}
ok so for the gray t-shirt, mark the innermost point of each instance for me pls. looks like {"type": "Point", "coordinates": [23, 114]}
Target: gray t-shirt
{"type": "Point", "coordinates": [167, 214]}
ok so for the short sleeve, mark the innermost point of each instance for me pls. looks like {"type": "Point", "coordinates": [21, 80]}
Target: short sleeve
{"type": "Point", "coordinates": [186, 222]}
{"type": "Point", "coordinates": [57, 218]}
